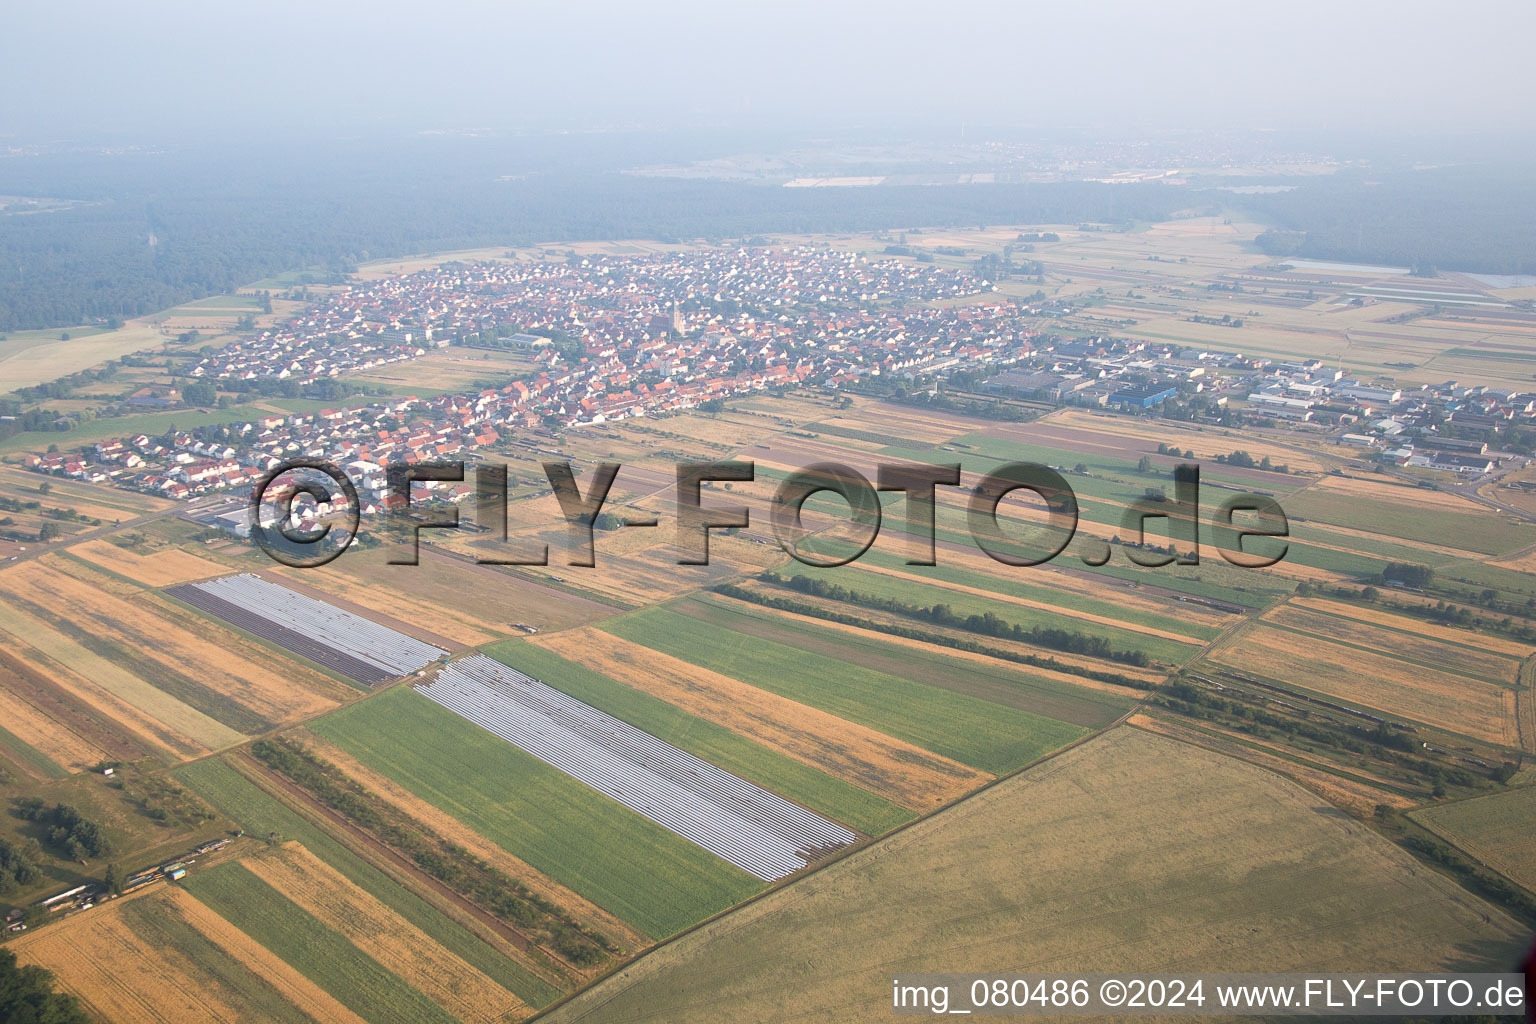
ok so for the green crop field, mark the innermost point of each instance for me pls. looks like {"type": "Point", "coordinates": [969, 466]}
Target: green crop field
{"type": "Point", "coordinates": [910, 591]}
{"type": "Point", "coordinates": [998, 682]}
{"type": "Point", "coordinates": [159, 923]}
{"type": "Point", "coordinates": [1486, 532]}
{"type": "Point", "coordinates": [1498, 830]}
{"type": "Point", "coordinates": [316, 951]}
{"type": "Point", "coordinates": [626, 864]}
{"type": "Point", "coordinates": [260, 814]}
{"type": "Point", "coordinates": [979, 733]}
{"type": "Point", "coordinates": [720, 746]}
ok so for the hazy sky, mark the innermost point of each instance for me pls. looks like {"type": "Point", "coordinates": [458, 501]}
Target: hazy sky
{"type": "Point", "coordinates": [72, 67]}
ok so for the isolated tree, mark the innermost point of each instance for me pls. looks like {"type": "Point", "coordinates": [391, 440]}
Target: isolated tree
{"type": "Point", "coordinates": [1145, 465]}
{"type": "Point", "coordinates": [113, 880]}
{"type": "Point", "coordinates": [44, 487]}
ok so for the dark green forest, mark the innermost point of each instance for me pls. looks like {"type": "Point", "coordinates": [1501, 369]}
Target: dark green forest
{"type": "Point", "coordinates": [153, 229]}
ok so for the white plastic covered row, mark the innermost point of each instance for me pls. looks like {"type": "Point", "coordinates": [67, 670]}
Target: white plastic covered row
{"type": "Point", "coordinates": [363, 639]}
{"type": "Point", "coordinates": [757, 831]}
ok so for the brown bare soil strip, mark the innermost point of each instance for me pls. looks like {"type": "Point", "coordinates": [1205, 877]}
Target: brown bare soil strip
{"type": "Point", "coordinates": [450, 828]}
{"type": "Point", "coordinates": [898, 771]}
{"type": "Point", "coordinates": [1355, 797]}
{"type": "Point", "coordinates": [384, 935]}
{"type": "Point", "coordinates": [289, 983]}
{"type": "Point", "coordinates": [163, 568]}
{"type": "Point", "coordinates": [1455, 703]}
{"type": "Point", "coordinates": [119, 976]}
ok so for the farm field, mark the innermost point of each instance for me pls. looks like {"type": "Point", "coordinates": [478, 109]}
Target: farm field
{"type": "Point", "coordinates": [586, 913]}
{"type": "Point", "coordinates": [1388, 685]}
{"type": "Point", "coordinates": [88, 671]}
{"type": "Point", "coordinates": [989, 825]}
{"type": "Point", "coordinates": [320, 953]}
{"type": "Point", "coordinates": [1160, 636]}
{"type": "Point", "coordinates": [757, 831]}
{"type": "Point", "coordinates": [1048, 872]}
{"type": "Point", "coordinates": [1496, 829]}
{"type": "Point", "coordinates": [655, 880]}
{"type": "Point", "coordinates": [1462, 655]}
{"type": "Point", "coordinates": [385, 936]}
{"type": "Point", "coordinates": [899, 773]}
{"type": "Point", "coordinates": [338, 640]}
{"type": "Point", "coordinates": [152, 959]}
{"type": "Point", "coordinates": [260, 813]}
{"type": "Point", "coordinates": [1405, 515]}
{"type": "Point", "coordinates": [161, 568]}
{"type": "Point", "coordinates": [229, 679]}
{"type": "Point", "coordinates": [819, 790]}
{"type": "Point", "coordinates": [465, 603]}
{"type": "Point", "coordinates": [28, 358]}
{"type": "Point", "coordinates": [987, 736]}
{"type": "Point", "coordinates": [1043, 690]}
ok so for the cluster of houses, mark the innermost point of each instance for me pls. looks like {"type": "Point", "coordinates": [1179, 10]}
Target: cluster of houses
{"type": "Point", "coordinates": [615, 336]}
{"type": "Point", "coordinates": [638, 336]}
{"type": "Point", "coordinates": [607, 304]}
{"type": "Point", "coordinates": [1445, 427]}
{"type": "Point", "coordinates": [1112, 372]}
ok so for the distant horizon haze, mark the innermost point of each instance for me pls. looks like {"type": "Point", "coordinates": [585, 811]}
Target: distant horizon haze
{"type": "Point", "coordinates": [174, 70]}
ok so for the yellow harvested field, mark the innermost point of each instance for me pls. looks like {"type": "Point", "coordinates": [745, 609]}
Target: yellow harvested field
{"type": "Point", "coordinates": [1520, 561]}
{"type": "Point", "coordinates": [1131, 852]}
{"type": "Point", "coordinates": [881, 418]}
{"type": "Point", "coordinates": [1432, 650]}
{"type": "Point", "coordinates": [38, 364]}
{"type": "Point", "coordinates": [161, 569]}
{"type": "Point", "coordinates": [47, 735]}
{"type": "Point", "coordinates": [288, 983]}
{"type": "Point", "coordinates": [1359, 798]}
{"type": "Point", "coordinates": [119, 975]}
{"type": "Point", "coordinates": [127, 977]}
{"type": "Point", "coordinates": [384, 935]}
{"type": "Point", "coordinates": [900, 772]}
{"type": "Point", "coordinates": [152, 714]}
{"type": "Point", "coordinates": [1418, 497]}
{"type": "Point", "coordinates": [1396, 688]}
{"type": "Point", "coordinates": [225, 663]}
{"type": "Point", "coordinates": [442, 600]}
{"type": "Point", "coordinates": [450, 828]}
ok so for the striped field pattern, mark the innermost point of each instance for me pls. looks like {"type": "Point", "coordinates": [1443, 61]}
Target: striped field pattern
{"type": "Point", "coordinates": [759, 832]}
